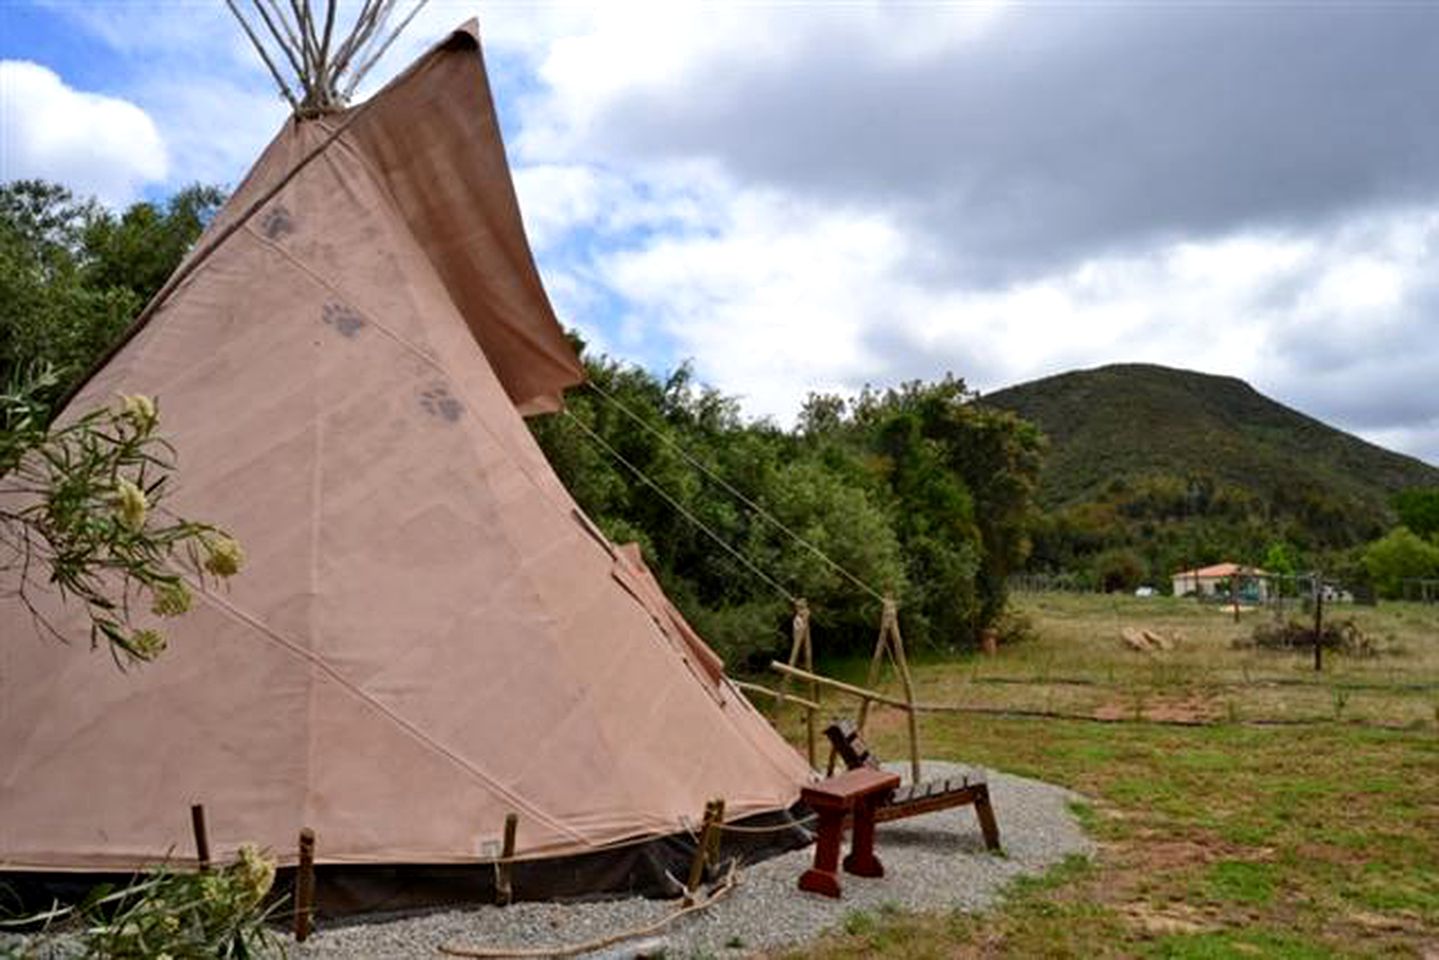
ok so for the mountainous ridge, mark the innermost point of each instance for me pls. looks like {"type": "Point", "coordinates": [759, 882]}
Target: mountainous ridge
{"type": "Point", "coordinates": [1114, 427]}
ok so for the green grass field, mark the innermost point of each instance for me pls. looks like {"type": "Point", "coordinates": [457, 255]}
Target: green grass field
{"type": "Point", "coordinates": [1235, 838]}
{"type": "Point", "coordinates": [1076, 663]}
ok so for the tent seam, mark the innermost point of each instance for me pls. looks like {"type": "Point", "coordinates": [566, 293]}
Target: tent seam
{"type": "Point", "coordinates": [313, 601]}
{"type": "Point", "coordinates": [334, 288]}
{"type": "Point", "coordinates": [317, 661]}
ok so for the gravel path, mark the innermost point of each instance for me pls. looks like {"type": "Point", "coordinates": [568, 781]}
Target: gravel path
{"type": "Point", "coordinates": [933, 862]}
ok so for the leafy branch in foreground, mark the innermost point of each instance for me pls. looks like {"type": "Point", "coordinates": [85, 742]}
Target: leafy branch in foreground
{"type": "Point", "coordinates": [81, 508]}
{"type": "Point", "coordinates": [221, 913]}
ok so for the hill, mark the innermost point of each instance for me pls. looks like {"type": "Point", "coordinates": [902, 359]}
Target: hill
{"type": "Point", "coordinates": [1150, 447]}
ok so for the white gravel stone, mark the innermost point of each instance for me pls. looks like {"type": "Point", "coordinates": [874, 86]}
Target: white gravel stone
{"type": "Point", "coordinates": [932, 862]}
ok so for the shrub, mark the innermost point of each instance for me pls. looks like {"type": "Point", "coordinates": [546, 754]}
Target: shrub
{"type": "Point", "coordinates": [1341, 635]}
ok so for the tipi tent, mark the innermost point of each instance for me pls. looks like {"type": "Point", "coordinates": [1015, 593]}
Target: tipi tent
{"type": "Point", "coordinates": [429, 634]}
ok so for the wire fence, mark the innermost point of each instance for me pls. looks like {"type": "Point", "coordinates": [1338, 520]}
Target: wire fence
{"type": "Point", "coordinates": [1249, 589]}
{"type": "Point", "coordinates": [1204, 659]}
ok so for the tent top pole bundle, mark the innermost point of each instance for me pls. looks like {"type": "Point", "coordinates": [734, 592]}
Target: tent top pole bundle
{"type": "Point", "coordinates": [316, 69]}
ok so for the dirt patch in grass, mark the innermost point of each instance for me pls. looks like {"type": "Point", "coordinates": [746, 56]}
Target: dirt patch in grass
{"type": "Point", "coordinates": [1171, 918]}
{"type": "Point", "coordinates": [1190, 708]}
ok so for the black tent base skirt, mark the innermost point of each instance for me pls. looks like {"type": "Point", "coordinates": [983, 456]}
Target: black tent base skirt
{"type": "Point", "coordinates": [360, 892]}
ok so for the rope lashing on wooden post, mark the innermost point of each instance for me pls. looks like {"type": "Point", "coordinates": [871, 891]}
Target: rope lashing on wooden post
{"type": "Point", "coordinates": [504, 885]}
{"type": "Point", "coordinates": [305, 886]}
{"type": "Point", "coordinates": [202, 836]}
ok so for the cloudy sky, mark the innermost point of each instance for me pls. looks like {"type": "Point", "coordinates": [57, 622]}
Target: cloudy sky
{"type": "Point", "coordinates": [810, 196]}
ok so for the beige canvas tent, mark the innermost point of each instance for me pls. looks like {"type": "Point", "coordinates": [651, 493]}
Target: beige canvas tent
{"type": "Point", "coordinates": [429, 634]}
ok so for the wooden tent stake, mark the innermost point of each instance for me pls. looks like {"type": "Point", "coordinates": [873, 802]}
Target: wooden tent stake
{"type": "Point", "coordinates": [504, 881]}
{"type": "Point", "coordinates": [801, 653]}
{"type": "Point", "coordinates": [305, 885]}
{"type": "Point", "coordinates": [709, 837]}
{"type": "Point", "coordinates": [202, 836]}
{"type": "Point", "coordinates": [712, 849]}
{"type": "Point", "coordinates": [892, 642]}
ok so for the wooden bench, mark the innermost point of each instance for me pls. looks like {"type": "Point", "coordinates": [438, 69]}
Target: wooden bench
{"type": "Point", "coordinates": [918, 798]}
{"type": "Point", "coordinates": [853, 795]}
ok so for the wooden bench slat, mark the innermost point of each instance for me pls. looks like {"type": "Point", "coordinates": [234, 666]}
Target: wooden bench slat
{"type": "Point", "coordinates": [969, 787]}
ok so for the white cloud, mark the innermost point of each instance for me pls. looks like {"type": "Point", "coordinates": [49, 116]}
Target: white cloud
{"type": "Point", "coordinates": [214, 126]}
{"type": "Point", "coordinates": [675, 52]}
{"type": "Point", "coordinates": [95, 144]}
{"type": "Point", "coordinates": [774, 297]}
{"type": "Point", "coordinates": [809, 197]}
{"type": "Point", "coordinates": [775, 289]}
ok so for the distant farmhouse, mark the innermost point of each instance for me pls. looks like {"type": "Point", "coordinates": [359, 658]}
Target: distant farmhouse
{"type": "Point", "coordinates": [1221, 580]}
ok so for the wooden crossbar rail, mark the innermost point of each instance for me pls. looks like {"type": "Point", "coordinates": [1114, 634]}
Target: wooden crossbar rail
{"type": "Point", "coordinates": [860, 692]}
{"type": "Point", "coordinates": [791, 698]}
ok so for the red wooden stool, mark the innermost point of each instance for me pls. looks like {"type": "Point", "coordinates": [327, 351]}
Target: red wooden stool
{"type": "Point", "coordinates": [856, 793]}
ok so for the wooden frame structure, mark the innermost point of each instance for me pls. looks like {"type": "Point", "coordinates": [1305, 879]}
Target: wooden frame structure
{"type": "Point", "coordinates": [800, 667]}
{"type": "Point", "coordinates": [892, 643]}
{"type": "Point", "coordinates": [802, 651]}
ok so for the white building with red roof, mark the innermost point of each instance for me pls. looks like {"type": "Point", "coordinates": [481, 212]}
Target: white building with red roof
{"type": "Point", "coordinates": [1221, 579]}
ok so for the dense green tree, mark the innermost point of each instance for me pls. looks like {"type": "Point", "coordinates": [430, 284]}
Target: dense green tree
{"type": "Point", "coordinates": [912, 492]}
{"type": "Point", "coordinates": [73, 275]}
{"type": "Point", "coordinates": [969, 474]}
{"type": "Point", "coordinates": [1280, 558]}
{"type": "Point", "coordinates": [1398, 556]}
{"type": "Point", "coordinates": [1418, 509]}
{"type": "Point", "coordinates": [1118, 570]}
{"type": "Point", "coordinates": [139, 249]}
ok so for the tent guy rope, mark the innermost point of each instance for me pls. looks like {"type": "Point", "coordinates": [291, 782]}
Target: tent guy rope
{"type": "Point", "coordinates": [644, 478]}
{"type": "Point", "coordinates": [589, 946]}
{"type": "Point", "coordinates": [733, 491]}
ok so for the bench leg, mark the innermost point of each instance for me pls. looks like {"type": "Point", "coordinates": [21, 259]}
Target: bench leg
{"type": "Point", "coordinates": [823, 877]}
{"type": "Point", "coordinates": [985, 812]}
{"type": "Point", "coordinates": [861, 860]}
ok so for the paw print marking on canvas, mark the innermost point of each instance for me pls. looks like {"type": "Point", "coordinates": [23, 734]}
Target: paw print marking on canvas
{"type": "Point", "coordinates": [437, 401]}
{"type": "Point", "coordinates": [343, 318]}
{"type": "Point", "coordinates": [277, 222]}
